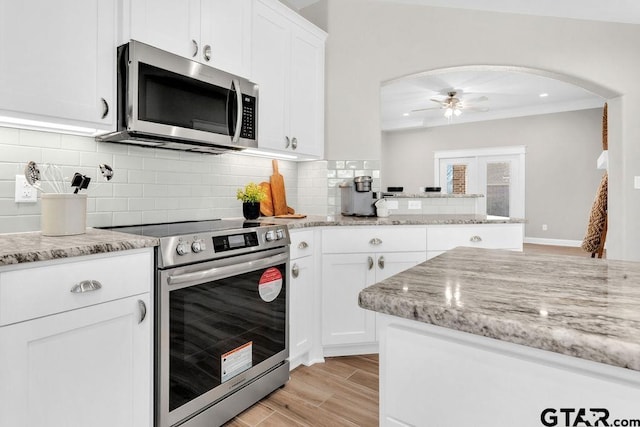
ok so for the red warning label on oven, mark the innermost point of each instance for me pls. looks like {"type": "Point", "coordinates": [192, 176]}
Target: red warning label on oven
{"type": "Point", "coordinates": [270, 284]}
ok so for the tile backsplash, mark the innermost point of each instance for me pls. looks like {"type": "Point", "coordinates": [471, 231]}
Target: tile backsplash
{"type": "Point", "coordinates": [149, 185]}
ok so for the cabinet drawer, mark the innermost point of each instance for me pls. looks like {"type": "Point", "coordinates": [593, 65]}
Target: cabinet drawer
{"type": "Point", "coordinates": [27, 293]}
{"type": "Point", "coordinates": [491, 236]}
{"type": "Point", "coordinates": [378, 239]}
{"type": "Point", "coordinates": [302, 243]}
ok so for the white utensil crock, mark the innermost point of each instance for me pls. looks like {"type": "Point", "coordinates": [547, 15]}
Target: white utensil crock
{"type": "Point", "coordinates": [63, 214]}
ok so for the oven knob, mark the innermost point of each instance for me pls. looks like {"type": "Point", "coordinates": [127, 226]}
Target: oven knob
{"type": "Point", "coordinates": [197, 246]}
{"type": "Point", "coordinates": [280, 233]}
{"type": "Point", "coordinates": [270, 236]}
{"type": "Point", "coordinates": [182, 248]}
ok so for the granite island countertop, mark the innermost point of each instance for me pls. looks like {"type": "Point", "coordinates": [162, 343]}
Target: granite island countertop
{"type": "Point", "coordinates": [582, 307]}
{"type": "Point", "coordinates": [16, 248]}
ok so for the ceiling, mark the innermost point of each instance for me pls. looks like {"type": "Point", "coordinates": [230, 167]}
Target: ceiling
{"type": "Point", "coordinates": [622, 11]}
{"type": "Point", "coordinates": [509, 93]}
{"type": "Point", "coordinates": [485, 94]}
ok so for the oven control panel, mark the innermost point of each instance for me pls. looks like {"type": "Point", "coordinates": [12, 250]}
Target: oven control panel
{"type": "Point", "coordinates": [192, 248]}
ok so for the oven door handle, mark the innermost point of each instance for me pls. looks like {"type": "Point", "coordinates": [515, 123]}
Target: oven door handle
{"type": "Point", "coordinates": [226, 271]}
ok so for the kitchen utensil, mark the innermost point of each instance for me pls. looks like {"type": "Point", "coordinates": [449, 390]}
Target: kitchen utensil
{"type": "Point", "coordinates": [107, 173]}
{"type": "Point", "coordinates": [266, 206]}
{"type": "Point", "coordinates": [277, 191]}
{"type": "Point", "coordinates": [52, 174]}
{"type": "Point", "coordinates": [32, 175]}
{"type": "Point", "coordinates": [290, 210]}
{"type": "Point", "coordinates": [80, 182]}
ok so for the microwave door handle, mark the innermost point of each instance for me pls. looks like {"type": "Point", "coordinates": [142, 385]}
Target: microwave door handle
{"type": "Point", "coordinates": [238, 128]}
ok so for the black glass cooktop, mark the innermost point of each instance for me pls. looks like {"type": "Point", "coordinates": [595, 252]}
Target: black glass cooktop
{"type": "Point", "coordinates": [168, 229]}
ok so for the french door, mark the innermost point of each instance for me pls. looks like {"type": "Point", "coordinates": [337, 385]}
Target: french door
{"type": "Point", "coordinates": [497, 173]}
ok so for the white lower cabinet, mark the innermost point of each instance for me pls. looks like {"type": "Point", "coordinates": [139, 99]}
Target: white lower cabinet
{"type": "Point", "coordinates": [302, 288]}
{"type": "Point", "coordinates": [86, 366]}
{"type": "Point", "coordinates": [347, 328]}
{"type": "Point", "coordinates": [441, 238]}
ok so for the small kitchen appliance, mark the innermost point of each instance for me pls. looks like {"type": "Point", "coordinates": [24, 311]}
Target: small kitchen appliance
{"type": "Point", "coordinates": [356, 197]}
{"type": "Point", "coordinates": [221, 317]}
{"type": "Point", "coordinates": [167, 101]}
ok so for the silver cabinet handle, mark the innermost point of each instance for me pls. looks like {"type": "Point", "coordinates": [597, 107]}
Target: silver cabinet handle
{"type": "Point", "coordinates": [375, 241]}
{"type": "Point", "coordinates": [370, 262]}
{"type": "Point", "coordinates": [143, 310]}
{"type": "Point", "coordinates": [295, 271]}
{"type": "Point", "coordinates": [207, 53]}
{"type": "Point", "coordinates": [294, 143]}
{"type": "Point", "coordinates": [303, 245]}
{"type": "Point", "coordinates": [287, 143]}
{"type": "Point", "coordinates": [86, 286]}
{"type": "Point", "coordinates": [195, 48]}
{"type": "Point", "coordinates": [475, 239]}
{"type": "Point", "coordinates": [105, 108]}
{"type": "Point", "coordinates": [381, 262]}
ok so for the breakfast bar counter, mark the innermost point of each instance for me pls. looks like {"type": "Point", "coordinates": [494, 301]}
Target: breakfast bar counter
{"type": "Point", "coordinates": [494, 337]}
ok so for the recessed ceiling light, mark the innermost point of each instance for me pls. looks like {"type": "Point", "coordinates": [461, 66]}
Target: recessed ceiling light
{"type": "Point", "coordinates": [405, 114]}
{"type": "Point", "coordinates": [544, 95]}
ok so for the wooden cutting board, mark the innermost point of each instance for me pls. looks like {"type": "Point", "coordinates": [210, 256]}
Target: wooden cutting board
{"type": "Point", "coordinates": [266, 206]}
{"type": "Point", "coordinates": [277, 191]}
{"type": "Point", "coordinates": [292, 216]}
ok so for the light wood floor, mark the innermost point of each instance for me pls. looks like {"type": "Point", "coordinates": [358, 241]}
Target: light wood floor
{"type": "Point", "coordinates": [343, 391]}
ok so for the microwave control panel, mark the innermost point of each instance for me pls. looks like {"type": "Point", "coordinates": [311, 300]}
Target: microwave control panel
{"type": "Point", "coordinates": [248, 130]}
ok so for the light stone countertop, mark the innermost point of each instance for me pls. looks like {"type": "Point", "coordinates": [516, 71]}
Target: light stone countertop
{"type": "Point", "coordinates": [581, 307]}
{"type": "Point", "coordinates": [417, 219]}
{"type": "Point", "coordinates": [428, 195]}
{"type": "Point", "coordinates": [16, 248]}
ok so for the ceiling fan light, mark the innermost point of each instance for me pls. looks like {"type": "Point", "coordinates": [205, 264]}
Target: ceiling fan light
{"type": "Point", "coordinates": [457, 112]}
{"type": "Point", "coordinates": [448, 113]}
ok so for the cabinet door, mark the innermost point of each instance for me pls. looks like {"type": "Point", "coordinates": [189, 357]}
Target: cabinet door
{"type": "Point", "coordinates": [343, 321]}
{"type": "Point", "coordinates": [307, 93]}
{"type": "Point", "coordinates": [171, 25]}
{"type": "Point", "coordinates": [85, 367]}
{"type": "Point", "coordinates": [58, 61]}
{"type": "Point", "coordinates": [301, 307]}
{"type": "Point", "coordinates": [388, 264]}
{"type": "Point", "coordinates": [270, 61]}
{"type": "Point", "coordinates": [226, 28]}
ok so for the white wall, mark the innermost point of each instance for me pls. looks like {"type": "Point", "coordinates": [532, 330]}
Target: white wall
{"type": "Point", "coordinates": [149, 185]}
{"type": "Point", "coordinates": [372, 41]}
{"type": "Point", "coordinates": [561, 175]}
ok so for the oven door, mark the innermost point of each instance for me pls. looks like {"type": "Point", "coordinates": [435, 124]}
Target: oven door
{"type": "Point", "coordinates": [221, 325]}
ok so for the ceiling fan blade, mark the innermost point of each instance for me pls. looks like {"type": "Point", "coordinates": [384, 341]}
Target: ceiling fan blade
{"type": "Point", "coordinates": [439, 101]}
{"type": "Point", "coordinates": [478, 99]}
{"type": "Point", "coordinates": [476, 109]}
{"type": "Point", "coordinates": [425, 109]}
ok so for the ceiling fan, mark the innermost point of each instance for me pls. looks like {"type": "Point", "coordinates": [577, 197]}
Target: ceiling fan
{"type": "Point", "coordinates": [453, 105]}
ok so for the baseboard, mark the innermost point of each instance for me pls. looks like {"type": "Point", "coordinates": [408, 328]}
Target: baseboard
{"type": "Point", "coordinates": [553, 242]}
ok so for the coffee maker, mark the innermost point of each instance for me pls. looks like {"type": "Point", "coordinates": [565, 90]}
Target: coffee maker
{"type": "Point", "coordinates": [357, 198]}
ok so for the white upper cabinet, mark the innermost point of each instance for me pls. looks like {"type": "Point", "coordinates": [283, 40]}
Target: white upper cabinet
{"type": "Point", "coordinates": [213, 32]}
{"type": "Point", "coordinates": [288, 64]}
{"type": "Point", "coordinates": [57, 62]}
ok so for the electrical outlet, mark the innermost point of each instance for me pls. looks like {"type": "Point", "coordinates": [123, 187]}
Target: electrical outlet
{"type": "Point", "coordinates": [544, 227]}
{"type": "Point", "coordinates": [392, 204]}
{"type": "Point", "coordinates": [24, 192]}
{"type": "Point", "coordinates": [415, 204]}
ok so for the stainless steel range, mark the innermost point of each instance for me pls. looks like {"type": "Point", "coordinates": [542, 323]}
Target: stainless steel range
{"type": "Point", "coordinates": [221, 311]}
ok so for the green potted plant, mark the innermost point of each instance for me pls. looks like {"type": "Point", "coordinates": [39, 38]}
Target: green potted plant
{"type": "Point", "coordinates": [251, 196]}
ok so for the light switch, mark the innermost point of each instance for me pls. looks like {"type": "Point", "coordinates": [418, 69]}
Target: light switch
{"type": "Point", "coordinates": [636, 182]}
{"type": "Point", "coordinates": [392, 204]}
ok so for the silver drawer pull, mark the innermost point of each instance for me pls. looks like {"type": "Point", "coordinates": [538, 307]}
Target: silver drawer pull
{"type": "Point", "coordinates": [375, 241]}
{"type": "Point", "coordinates": [303, 245]}
{"type": "Point", "coordinates": [370, 262]}
{"type": "Point", "coordinates": [475, 239]}
{"type": "Point", "coordinates": [86, 286]}
{"type": "Point", "coordinates": [381, 262]}
{"type": "Point", "coordinates": [295, 271]}
{"type": "Point", "coordinates": [143, 310]}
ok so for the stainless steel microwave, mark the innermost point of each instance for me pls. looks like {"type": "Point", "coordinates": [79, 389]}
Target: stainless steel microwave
{"type": "Point", "coordinates": [167, 101]}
